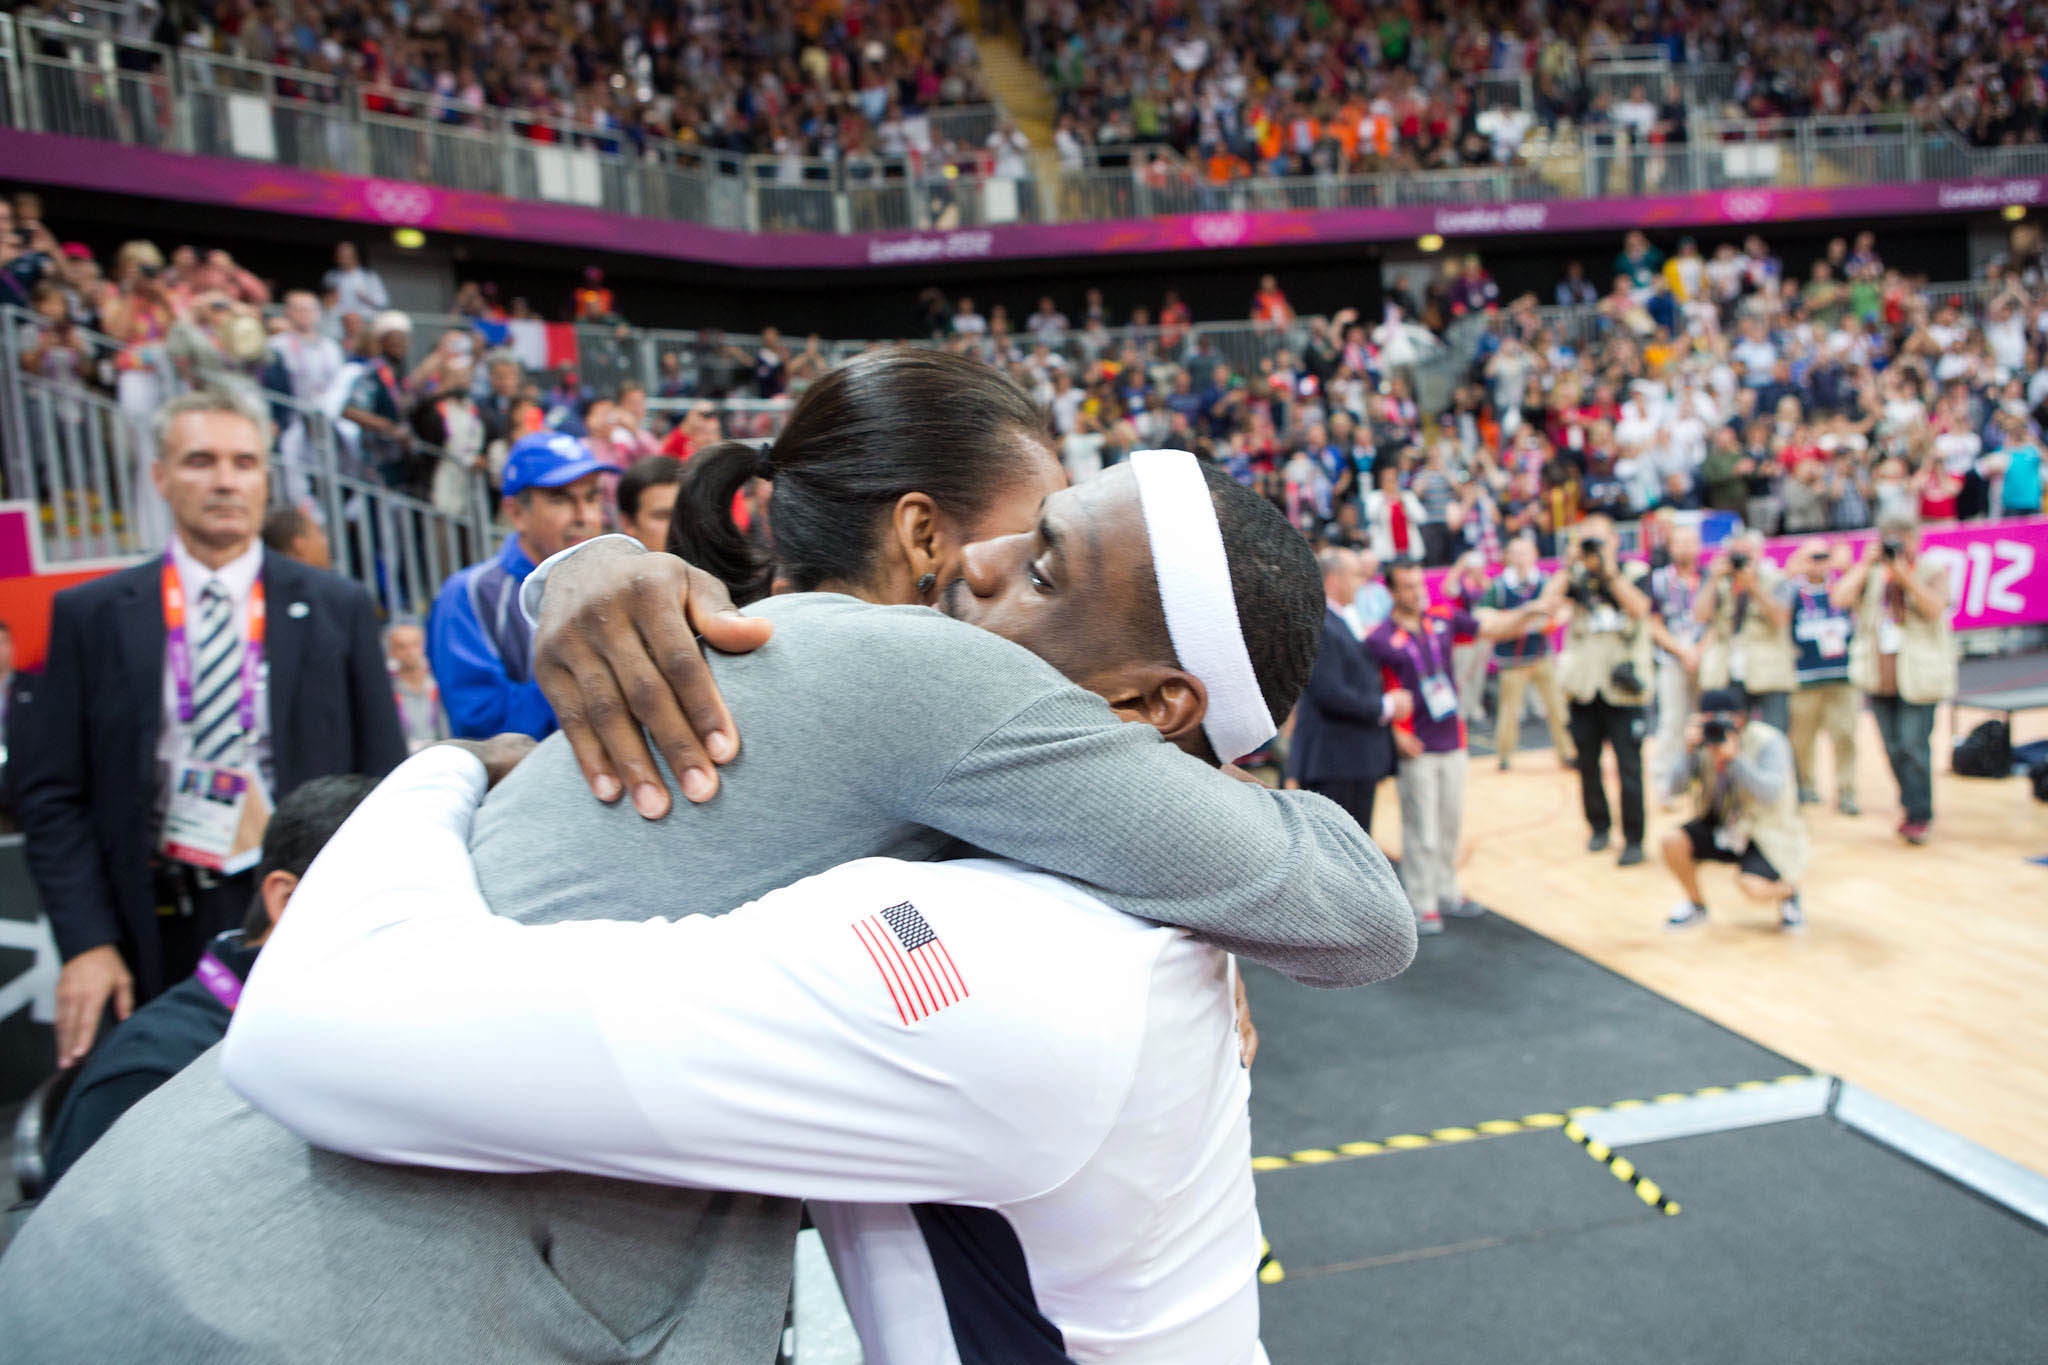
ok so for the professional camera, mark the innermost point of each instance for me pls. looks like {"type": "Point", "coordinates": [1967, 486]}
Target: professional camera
{"type": "Point", "coordinates": [1586, 583]}
{"type": "Point", "coordinates": [1714, 732]}
{"type": "Point", "coordinates": [1738, 560]}
{"type": "Point", "coordinates": [1891, 547]}
{"type": "Point", "coordinates": [1625, 678]}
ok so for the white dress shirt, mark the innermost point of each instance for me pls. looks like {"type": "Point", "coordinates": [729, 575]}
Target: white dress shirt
{"type": "Point", "coordinates": [237, 578]}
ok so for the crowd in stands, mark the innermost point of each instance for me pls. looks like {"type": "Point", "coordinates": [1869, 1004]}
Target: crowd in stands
{"type": "Point", "coordinates": [1239, 90]}
{"type": "Point", "coordinates": [1298, 89]}
{"type": "Point", "coordinates": [1699, 380]}
{"type": "Point", "coordinates": [1722, 381]}
{"type": "Point", "coordinates": [761, 78]}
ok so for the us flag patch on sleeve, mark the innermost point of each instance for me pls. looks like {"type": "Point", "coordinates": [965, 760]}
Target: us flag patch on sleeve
{"type": "Point", "coordinates": [913, 961]}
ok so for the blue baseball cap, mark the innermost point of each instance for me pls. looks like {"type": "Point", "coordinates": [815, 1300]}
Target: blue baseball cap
{"type": "Point", "coordinates": [548, 459]}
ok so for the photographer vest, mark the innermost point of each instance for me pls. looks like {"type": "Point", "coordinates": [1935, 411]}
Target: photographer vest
{"type": "Point", "coordinates": [1926, 670]}
{"type": "Point", "coordinates": [1592, 654]}
{"type": "Point", "coordinates": [1742, 646]}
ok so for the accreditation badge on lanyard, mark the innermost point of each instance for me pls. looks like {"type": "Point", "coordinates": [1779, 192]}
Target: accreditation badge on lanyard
{"type": "Point", "coordinates": [217, 808]}
{"type": "Point", "coordinates": [1439, 698]}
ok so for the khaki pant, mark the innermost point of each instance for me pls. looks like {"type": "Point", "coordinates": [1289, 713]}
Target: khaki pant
{"type": "Point", "coordinates": [1468, 670]}
{"type": "Point", "coordinates": [1830, 709]}
{"type": "Point", "coordinates": [1507, 730]}
{"type": "Point", "coordinates": [1432, 789]}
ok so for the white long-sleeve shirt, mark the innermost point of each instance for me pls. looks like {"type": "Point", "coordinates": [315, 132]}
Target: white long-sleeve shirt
{"type": "Point", "coordinates": [1011, 1106]}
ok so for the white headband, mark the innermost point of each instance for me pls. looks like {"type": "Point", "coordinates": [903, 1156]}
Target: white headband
{"type": "Point", "coordinates": [1201, 609]}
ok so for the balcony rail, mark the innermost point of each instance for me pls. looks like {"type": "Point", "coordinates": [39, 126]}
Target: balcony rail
{"type": "Point", "coordinates": [83, 457]}
{"type": "Point", "coordinates": [84, 81]}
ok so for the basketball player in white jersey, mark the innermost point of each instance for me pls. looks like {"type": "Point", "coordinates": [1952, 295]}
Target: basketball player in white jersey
{"type": "Point", "coordinates": [1019, 1115]}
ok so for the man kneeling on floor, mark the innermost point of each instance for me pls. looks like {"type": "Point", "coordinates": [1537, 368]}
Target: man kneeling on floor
{"type": "Point", "coordinates": [1740, 773]}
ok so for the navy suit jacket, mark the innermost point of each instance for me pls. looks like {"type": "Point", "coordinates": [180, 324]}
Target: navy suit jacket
{"type": "Point", "coordinates": [86, 770]}
{"type": "Point", "coordinates": [1338, 733]}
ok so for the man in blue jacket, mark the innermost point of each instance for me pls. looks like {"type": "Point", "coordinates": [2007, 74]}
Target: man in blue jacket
{"type": "Point", "coordinates": [1342, 747]}
{"type": "Point", "coordinates": [478, 641]}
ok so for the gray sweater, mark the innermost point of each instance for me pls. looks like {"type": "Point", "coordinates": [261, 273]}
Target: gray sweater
{"type": "Point", "coordinates": [866, 730]}
{"type": "Point", "coordinates": [894, 731]}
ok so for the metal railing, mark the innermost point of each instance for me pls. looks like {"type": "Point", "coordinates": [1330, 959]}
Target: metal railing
{"type": "Point", "coordinates": [715, 365]}
{"type": "Point", "coordinates": [86, 82]}
{"type": "Point", "coordinates": [82, 455]}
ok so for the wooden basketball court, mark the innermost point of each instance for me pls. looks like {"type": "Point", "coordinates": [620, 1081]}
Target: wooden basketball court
{"type": "Point", "coordinates": [1922, 974]}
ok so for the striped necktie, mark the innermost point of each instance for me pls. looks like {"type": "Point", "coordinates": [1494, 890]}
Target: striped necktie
{"type": "Point", "coordinates": [217, 678]}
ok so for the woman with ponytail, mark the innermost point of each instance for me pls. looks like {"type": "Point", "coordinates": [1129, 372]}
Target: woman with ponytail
{"type": "Point", "coordinates": [886, 467]}
{"type": "Point", "coordinates": [875, 727]}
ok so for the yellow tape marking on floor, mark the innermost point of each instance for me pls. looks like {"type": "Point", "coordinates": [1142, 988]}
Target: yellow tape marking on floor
{"type": "Point", "coordinates": [1623, 1170]}
{"type": "Point", "coordinates": [1528, 1123]}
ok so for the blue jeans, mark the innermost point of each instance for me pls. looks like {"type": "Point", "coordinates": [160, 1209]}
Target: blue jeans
{"type": "Point", "coordinates": [1906, 729]}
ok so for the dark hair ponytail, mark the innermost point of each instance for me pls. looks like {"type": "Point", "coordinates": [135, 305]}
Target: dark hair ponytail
{"type": "Point", "coordinates": [891, 421]}
{"type": "Point", "coordinates": [702, 530]}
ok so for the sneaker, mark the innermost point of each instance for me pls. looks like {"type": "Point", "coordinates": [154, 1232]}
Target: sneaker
{"type": "Point", "coordinates": [1463, 908]}
{"type": "Point", "coordinates": [1598, 843]}
{"type": "Point", "coordinates": [1503, 763]}
{"type": "Point", "coordinates": [1685, 915]}
{"type": "Point", "coordinates": [1808, 797]}
{"type": "Point", "coordinates": [1914, 832]}
{"type": "Point", "coordinates": [1431, 923]}
{"type": "Point", "coordinates": [1630, 856]}
{"type": "Point", "coordinates": [1847, 804]}
{"type": "Point", "coordinates": [1791, 915]}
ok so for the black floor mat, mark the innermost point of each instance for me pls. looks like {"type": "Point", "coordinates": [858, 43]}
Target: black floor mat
{"type": "Point", "coordinates": [1492, 1021]}
{"type": "Point", "coordinates": [1798, 1242]}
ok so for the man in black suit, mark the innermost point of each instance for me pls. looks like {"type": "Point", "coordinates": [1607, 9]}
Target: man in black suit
{"type": "Point", "coordinates": [212, 653]}
{"type": "Point", "coordinates": [1342, 747]}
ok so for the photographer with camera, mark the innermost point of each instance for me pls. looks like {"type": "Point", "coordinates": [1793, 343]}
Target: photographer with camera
{"type": "Point", "coordinates": [1674, 589]}
{"type": "Point", "coordinates": [1739, 772]}
{"type": "Point", "coordinates": [1748, 623]}
{"type": "Point", "coordinates": [1605, 671]}
{"type": "Point", "coordinates": [1525, 660]}
{"type": "Point", "coordinates": [1902, 656]}
{"type": "Point", "coordinates": [1826, 700]}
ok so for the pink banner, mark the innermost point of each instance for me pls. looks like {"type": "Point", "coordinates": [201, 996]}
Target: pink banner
{"type": "Point", "coordinates": [17, 540]}
{"type": "Point", "coordinates": [50, 159]}
{"type": "Point", "coordinates": [1995, 568]}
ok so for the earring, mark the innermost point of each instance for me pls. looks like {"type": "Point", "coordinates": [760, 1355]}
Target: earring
{"type": "Point", "coordinates": [924, 585]}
